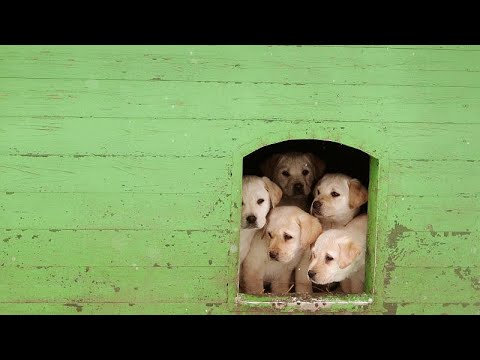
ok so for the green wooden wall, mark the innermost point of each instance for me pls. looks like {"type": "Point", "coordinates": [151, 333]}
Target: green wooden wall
{"type": "Point", "coordinates": [120, 169]}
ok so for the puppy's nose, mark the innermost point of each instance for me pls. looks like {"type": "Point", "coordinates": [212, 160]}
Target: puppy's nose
{"type": "Point", "coordinates": [311, 274]}
{"type": "Point", "coordinates": [251, 219]}
{"type": "Point", "coordinates": [316, 205]}
{"type": "Point", "coordinates": [298, 188]}
{"type": "Point", "coordinates": [273, 255]}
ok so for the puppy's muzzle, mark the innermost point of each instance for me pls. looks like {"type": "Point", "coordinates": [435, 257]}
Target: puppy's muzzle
{"type": "Point", "coordinates": [251, 219]}
{"type": "Point", "coordinates": [316, 208]}
{"type": "Point", "coordinates": [298, 189]}
{"type": "Point", "coordinates": [273, 255]}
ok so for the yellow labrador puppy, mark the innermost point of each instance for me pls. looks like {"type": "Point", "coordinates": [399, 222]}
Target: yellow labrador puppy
{"type": "Point", "coordinates": [339, 255]}
{"type": "Point", "coordinates": [295, 173]}
{"type": "Point", "coordinates": [337, 200]}
{"type": "Point", "coordinates": [259, 194]}
{"type": "Point", "coordinates": [283, 245]}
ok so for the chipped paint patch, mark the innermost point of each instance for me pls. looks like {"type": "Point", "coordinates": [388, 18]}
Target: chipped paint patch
{"type": "Point", "coordinates": [476, 283]}
{"type": "Point", "coordinates": [304, 303]}
{"type": "Point", "coordinates": [396, 233]}
{"type": "Point", "coordinates": [432, 232]}
{"type": "Point", "coordinates": [459, 273]}
{"type": "Point", "coordinates": [460, 233]}
{"type": "Point", "coordinates": [391, 309]}
{"type": "Point", "coordinates": [393, 237]}
{"type": "Point", "coordinates": [77, 307]}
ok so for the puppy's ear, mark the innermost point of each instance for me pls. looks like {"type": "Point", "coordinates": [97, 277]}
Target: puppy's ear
{"type": "Point", "coordinates": [273, 190]}
{"type": "Point", "coordinates": [310, 229]}
{"type": "Point", "coordinates": [268, 166]}
{"type": "Point", "coordinates": [318, 165]}
{"type": "Point", "coordinates": [264, 232]}
{"type": "Point", "coordinates": [358, 194]}
{"type": "Point", "coordinates": [348, 252]}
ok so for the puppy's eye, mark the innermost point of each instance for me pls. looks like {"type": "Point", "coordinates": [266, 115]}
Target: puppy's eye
{"type": "Point", "coordinates": [328, 258]}
{"type": "Point", "coordinates": [270, 234]}
{"type": "Point", "coordinates": [334, 194]}
{"type": "Point", "coordinates": [285, 173]}
{"type": "Point", "coordinates": [305, 172]}
{"type": "Point", "coordinates": [260, 201]}
{"type": "Point", "coordinates": [287, 237]}
{"type": "Point", "coordinates": [318, 192]}
{"type": "Point", "coordinates": [243, 203]}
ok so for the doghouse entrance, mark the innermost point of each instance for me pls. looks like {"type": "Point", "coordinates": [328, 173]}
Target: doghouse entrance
{"type": "Point", "coordinates": [337, 158]}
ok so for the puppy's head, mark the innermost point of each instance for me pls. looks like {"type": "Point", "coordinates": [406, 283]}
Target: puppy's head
{"type": "Point", "coordinates": [294, 172]}
{"type": "Point", "coordinates": [290, 231]}
{"type": "Point", "coordinates": [335, 257]}
{"type": "Point", "coordinates": [259, 194]}
{"type": "Point", "coordinates": [337, 198]}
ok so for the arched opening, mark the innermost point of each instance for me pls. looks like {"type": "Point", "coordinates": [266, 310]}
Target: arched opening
{"type": "Point", "coordinates": [338, 159]}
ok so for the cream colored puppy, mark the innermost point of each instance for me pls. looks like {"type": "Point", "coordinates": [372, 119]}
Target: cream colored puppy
{"type": "Point", "coordinates": [283, 245]}
{"type": "Point", "coordinates": [295, 173]}
{"type": "Point", "coordinates": [338, 199]}
{"type": "Point", "coordinates": [259, 194]}
{"type": "Point", "coordinates": [339, 255]}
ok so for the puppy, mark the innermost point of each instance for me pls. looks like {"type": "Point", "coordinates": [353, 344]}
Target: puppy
{"type": "Point", "coordinates": [279, 249]}
{"type": "Point", "coordinates": [259, 194]}
{"type": "Point", "coordinates": [339, 255]}
{"type": "Point", "coordinates": [337, 200]}
{"type": "Point", "coordinates": [295, 173]}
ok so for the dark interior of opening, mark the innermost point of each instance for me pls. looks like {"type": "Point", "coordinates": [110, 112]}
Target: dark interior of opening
{"type": "Point", "coordinates": [339, 158]}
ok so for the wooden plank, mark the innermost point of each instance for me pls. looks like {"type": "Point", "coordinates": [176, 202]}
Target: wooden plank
{"type": "Point", "coordinates": [107, 98]}
{"type": "Point", "coordinates": [462, 48]}
{"type": "Point", "coordinates": [466, 308]}
{"type": "Point", "coordinates": [113, 174]}
{"type": "Point", "coordinates": [432, 141]}
{"type": "Point", "coordinates": [432, 285]}
{"type": "Point", "coordinates": [434, 249]}
{"type": "Point", "coordinates": [113, 284]}
{"type": "Point", "coordinates": [429, 178]}
{"type": "Point", "coordinates": [119, 136]}
{"type": "Point", "coordinates": [411, 66]}
{"type": "Point", "coordinates": [166, 137]}
{"type": "Point", "coordinates": [209, 211]}
{"type": "Point", "coordinates": [191, 138]}
{"type": "Point", "coordinates": [115, 248]}
{"type": "Point", "coordinates": [207, 308]}
{"type": "Point", "coordinates": [435, 214]}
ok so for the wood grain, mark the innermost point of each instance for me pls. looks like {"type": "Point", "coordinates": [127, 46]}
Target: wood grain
{"type": "Point", "coordinates": [114, 98]}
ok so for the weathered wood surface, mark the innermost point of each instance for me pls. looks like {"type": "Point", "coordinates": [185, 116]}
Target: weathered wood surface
{"type": "Point", "coordinates": [116, 193]}
{"type": "Point", "coordinates": [113, 284]}
{"type": "Point", "coordinates": [242, 101]}
{"type": "Point", "coordinates": [178, 138]}
{"type": "Point", "coordinates": [157, 248]}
